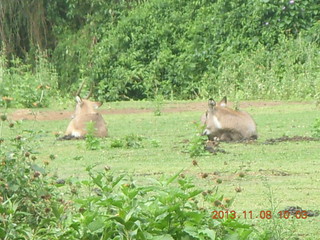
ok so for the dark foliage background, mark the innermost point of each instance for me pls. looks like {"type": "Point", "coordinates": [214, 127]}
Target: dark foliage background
{"type": "Point", "coordinates": [178, 49]}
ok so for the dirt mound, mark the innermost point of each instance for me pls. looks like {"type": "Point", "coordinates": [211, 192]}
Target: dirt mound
{"type": "Point", "coordinates": [290, 139]}
{"type": "Point", "coordinates": [213, 147]}
{"type": "Point", "coordinates": [297, 211]}
{"type": "Point", "coordinates": [274, 172]}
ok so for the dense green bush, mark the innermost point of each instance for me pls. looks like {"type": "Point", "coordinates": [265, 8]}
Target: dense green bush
{"type": "Point", "coordinates": [176, 49]}
{"type": "Point", "coordinates": [77, 26]}
{"type": "Point", "coordinates": [289, 71]}
{"type": "Point", "coordinates": [197, 48]}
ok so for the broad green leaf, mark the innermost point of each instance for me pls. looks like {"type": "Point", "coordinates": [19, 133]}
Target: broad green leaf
{"type": "Point", "coordinates": [117, 180]}
{"type": "Point", "coordinates": [192, 231]}
{"type": "Point", "coordinates": [209, 233]}
{"type": "Point", "coordinates": [96, 225]}
{"type": "Point", "coordinates": [235, 224]}
{"type": "Point", "coordinates": [195, 217]}
{"type": "Point", "coordinates": [35, 167]}
{"type": "Point", "coordinates": [233, 236]}
{"type": "Point", "coordinates": [129, 214]}
{"type": "Point", "coordinates": [170, 180]}
{"type": "Point", "coordinates": [163, 237]}
{"type": "Point", "coordinates": [194, 193]}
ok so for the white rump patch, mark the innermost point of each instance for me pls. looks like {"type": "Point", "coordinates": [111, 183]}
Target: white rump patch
{"type": "Point", "coordinates": [206, 132]}
{"type": "Point", "coordinates": [76, 134]}
{"type": "Point", "coordinates": [216, 122]}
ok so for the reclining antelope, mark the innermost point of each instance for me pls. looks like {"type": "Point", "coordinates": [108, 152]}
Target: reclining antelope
{"type": "Point", "coordinates": [86, 112]}
{"type": "Point", "coordinates": [227, 124]}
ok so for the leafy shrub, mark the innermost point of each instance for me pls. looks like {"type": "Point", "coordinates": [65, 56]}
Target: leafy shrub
{"type": "Point", "coordinates": [266, 74]}
{"type": "Point", "coordinates": [78, 28]}
{"type": "Point", "coordinates": [120, 209]}
{"type": "Point", "coordinates": [117, 143]}
{"type": "Point", "coordinates": [30, 202]}
{"type": "Point", "coordinates": [199, 48]}
{"type": "Point", "coordinates": [27, 88]}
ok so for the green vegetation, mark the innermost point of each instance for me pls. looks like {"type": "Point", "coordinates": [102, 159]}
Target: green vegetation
{"type": "Point", "coordinates": [245, 49]}
{"type": "Point", "coordinates": [129, 141]}
{"type": "Point", "coordinates": [144, 152]}
{"type": "Point", "coordinates": [316, 128]}
{"type": "Point", "coordinates": [92, 143]}
{"type": "Point", "coordinates": [27, 87]}
{"type": "Point", "coordinates": [158, 52]}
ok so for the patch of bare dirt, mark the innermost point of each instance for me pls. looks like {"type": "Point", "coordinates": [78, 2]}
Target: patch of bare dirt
{"type": "Point", "coordinates": [39, 115]}
{"type": "Point", "coordinates": [213, 147]}
{"type": "Point", "coordinates": [30, 114]}
{"type": "Point", "coordinates": [274, 172]}
{"type": "Point", "coordinates": [290, 139]}
{"type": "Point", "coordinates": [296, 211]}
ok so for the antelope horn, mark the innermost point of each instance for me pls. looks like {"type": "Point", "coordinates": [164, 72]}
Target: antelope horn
{"type": "Point", "coordinates": [90, 92]}
{"type": "Point", "coordinates": [80, 88]}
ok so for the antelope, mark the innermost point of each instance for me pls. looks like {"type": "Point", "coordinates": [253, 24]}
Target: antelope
{"type": "Point", "coordinates": [86, 112]}
{"type": "Point", "coordinates": [227, 124]}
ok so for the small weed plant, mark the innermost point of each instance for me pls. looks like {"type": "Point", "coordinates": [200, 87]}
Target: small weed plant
{"type": "Point", "coordinates": [129, 141]}
{"type": "Point", "coordinates": [276, 228]}
{"type": "Point", "coordinates": [196, 145]}
{"type": "Point", "coordinates": [316, 128]}
{"type": "Point", "coordinates": [158, 105]}
{"type": "Point", "coordinates": [91, 141]}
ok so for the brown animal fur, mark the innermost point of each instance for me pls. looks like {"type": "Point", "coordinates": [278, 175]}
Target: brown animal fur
{"type": "Point", "coordinates": [85, 113]}
{"type": "Point", "coordinates": [227, 124]}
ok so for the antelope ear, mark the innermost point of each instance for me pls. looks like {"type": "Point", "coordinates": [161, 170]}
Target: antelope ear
{"type": "Point", "coordinates": [96, 105]}
{"type": "Point", "coordinates": [223, 102]}
{"type": "Point", "coordinates": [211, 103]}
{"type": "Point", "coordinates": [78, 99]}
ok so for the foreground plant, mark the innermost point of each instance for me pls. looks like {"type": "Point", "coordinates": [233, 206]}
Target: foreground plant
{"type": "Point", "coordinates": [171, 208]}
{"type": "Point", "coordinates": [128, 141]}
{"type": "Point", "coordinates": [30, 203]}
{"type": "Point", "coordinates": [316, 128]}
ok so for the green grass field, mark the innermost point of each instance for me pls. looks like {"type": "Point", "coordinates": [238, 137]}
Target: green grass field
{"type": "Point", "coordinates": [275, 175]}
